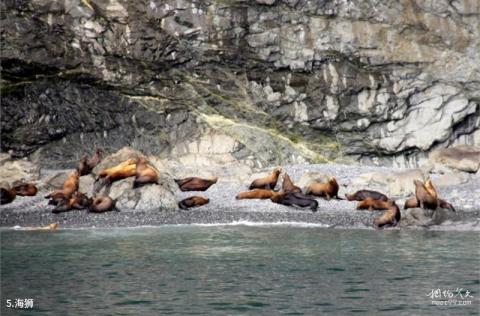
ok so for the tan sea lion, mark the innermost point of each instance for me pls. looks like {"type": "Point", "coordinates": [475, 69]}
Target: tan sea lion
{"type": "Point", "coordinates": [326, 190]}
{"type": "Point", "coordinates": [256, 194]}
{"type": "Point", "coordinates": [390, 218]}
{"type": "Point", "coordinates": [195, 183]}
{"type": "Point", "coordinates": [193, 201]}
{"type": "Point", "coordinates": [372, 204]}
{"type": "Point", "coordinates": [269, 182]}
{"type": "Point", "coordinates": [52, 226]}
{"type": "Point", "coordinates": [144, 173]}
{"type": "Point", "coordinates": [69, 186]}
{"type": "Point", "coordinates": [125, 169]}
{"type": "Point", "coordinates": [288, 186]}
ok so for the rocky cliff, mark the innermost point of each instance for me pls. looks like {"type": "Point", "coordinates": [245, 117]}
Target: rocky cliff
{"type": "Point", "coordinates": [261, 82]}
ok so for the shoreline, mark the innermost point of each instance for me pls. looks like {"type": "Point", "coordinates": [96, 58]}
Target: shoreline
{"type": "Point", "coordinates": [224, 209]}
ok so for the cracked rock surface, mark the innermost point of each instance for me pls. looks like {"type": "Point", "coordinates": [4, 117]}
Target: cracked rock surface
{"type": "Point", "coordinates": [255, 82]}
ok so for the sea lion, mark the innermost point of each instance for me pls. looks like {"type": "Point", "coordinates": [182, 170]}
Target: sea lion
{"type": "Point", "coordinates": [256, 194]}
{"type": "Point", "coordinates": [7, 195]}
{"type": "Point", "coordinates": [144, 173]}
{"type": "Point", "coordinates": [326, 190]}
{"type": "Point", "coordinates": [192, 201]}
{"type": "Point", "coordinates": [26, 189]}
{"type": "Point", "coordinates": [52, 226]}
{"type": "Point", "coordinates": [269, 182]}
{"type": "Point", "coordinates": [195, 183]}
{"type": "Point", "coordinates": [413, 203]}
{"type": "Point", "coordinates": [77, 201]}
{"type": "Point", "coordinates": [372, 204]}
{"type": "Point", "coordinates": [364, 194]}
{"type": "Point", "coordinates": [426, 197]}
{"type": "Point", "coordinates": [102, 204]}
{"type": "Point", "coordinates": [69, 186]}
{"type": "Point", "coordinates": [295, 199]}
{"type": "Point", "coordinates": [85, 165]}
{"type": "Point", "coordinates": [125, 169]}
{"type": "Point", "coordinates": [390, 218]}
{"type": "Point", "coordinates": [288, 186]}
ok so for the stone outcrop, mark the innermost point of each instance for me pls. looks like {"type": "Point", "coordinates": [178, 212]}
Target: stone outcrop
{"type": "Point", "coordinates": [274, 81]}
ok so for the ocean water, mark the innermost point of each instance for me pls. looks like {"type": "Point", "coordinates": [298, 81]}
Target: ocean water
{"type": "Point", "coordinates": [239, 270]}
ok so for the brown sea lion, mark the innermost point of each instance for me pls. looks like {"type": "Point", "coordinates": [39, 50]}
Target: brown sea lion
{"type": "Point", "coordinates": [7, 195]}
{"type": "Point", "coordinates": [364, 194]}
{"type": "Point", "coordinates": [326, 190]}
{"type": "Point", "coordinates": [288, 186]}
{"type": "Point", "coordinates": [372, 204]}
{"type": "Point", "coordinates": [102, 204]}
{"type": "Point", "coordinates": [295, 199]}
{"type": "Point", "coordinates": [426, 197]}
{"type": "Point", "coordinates": [144, 173]}
{"type": "Point", "coordinates": [77, 201]}
{"type": "Point", "coordinates": [195, 183]}
{"type": "Point", "coordinates": [69, 186]}
{"type": "Point", "coordinates": [256, 194]}
{"type": "Point", "coordinates": [269, 182]}
{"type": "Point", "coordinates": [26, 189]}
{"type": "Point", "coordinates": [85, 165]}
{"type": "Point", "coordinates": [390, 218]}
{"type": "Point", "coordinates": [125, 169]}
{"type": "Point", "coordinates": [192, 201]}
{"type": "Point", "coordinates": [413, 203]}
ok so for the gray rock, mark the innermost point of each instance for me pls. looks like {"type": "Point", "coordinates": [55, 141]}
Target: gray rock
{"type": "Point", "coordinates": [463, 158]}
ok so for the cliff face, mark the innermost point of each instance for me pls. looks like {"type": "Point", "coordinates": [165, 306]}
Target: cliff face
{"type": "Point", "coordinates": [263, 82]}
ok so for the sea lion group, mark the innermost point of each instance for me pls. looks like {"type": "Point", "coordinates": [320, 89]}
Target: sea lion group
{"type": "Point", "coordinates": [291, 195]}
{"type": "Point", "coordinates": [69, 198]}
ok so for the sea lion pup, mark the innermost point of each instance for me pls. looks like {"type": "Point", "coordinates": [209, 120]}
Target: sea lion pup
{"type": "Point", "coordinates": [26, 189]}
{"type": "Point", "coordinates": [69, 186]}
{"type": "Point", "coordinates": [7, 195]}
{"type": "Point", "coordinates": [125, 169]}
{"type": "Point", "coordinates": [295, 199]}
{"type": "Point", "coordinates": [326, 190]}
{"type": "Point", "coordinates": [195, 183]}
{"type": "Point", "coordinates": [288, 186]}
{"type": "Point", "coordinates": [102, 204]}
{"type": "Point", "coordinates": [192, 201]}
{"type": "Point", "coordinates": [77, 201]}
{"type": "Point", "coordinates": [269, 182]}
{"type": "Point", "coordinates": [390, 218]}
{"type": "Point", "coordinates": [372, 204]}
{"type": "Point", "coordinates": [364, 194]}
{"type": "Point", "coordinates": [261, 194]}
{"type": "Point", "coordinates": [144, 173]}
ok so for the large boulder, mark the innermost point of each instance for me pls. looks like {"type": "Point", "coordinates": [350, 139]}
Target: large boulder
{"type": "Point", "coordinates": [463, 158]}
{"type": "Point", "coordinates": [13, 171]}
{"type": "Point", "coordinates": [148, 197]}
{"type": "Point", "coordinates": [393, 184]}
{"type": "Point", "coordinates": [310, 177]}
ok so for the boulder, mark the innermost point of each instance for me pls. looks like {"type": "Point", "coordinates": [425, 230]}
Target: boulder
{"type": "Point", "coordinates": [12, 171]}
{"type": "Point", "coordinates": [463, 157]}
{"type": "Point", "coordinates": [148, 197]}
{"type": "Point", "coordinates": [310, 177]}
{"type": "Point", "coordinates": [392, 184]}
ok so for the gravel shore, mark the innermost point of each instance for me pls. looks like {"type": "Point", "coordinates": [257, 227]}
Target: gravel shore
{"type": "Point", "coordinates": [223, 208]}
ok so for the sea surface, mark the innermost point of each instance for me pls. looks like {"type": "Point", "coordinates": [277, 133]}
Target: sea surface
{"type": "Point", "coordinates": [239, 269]}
